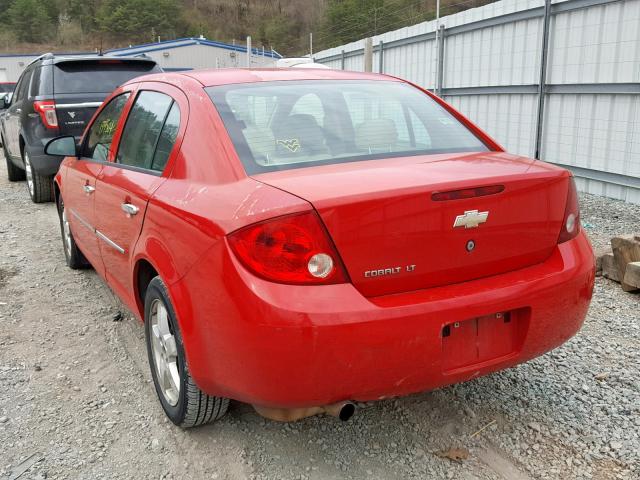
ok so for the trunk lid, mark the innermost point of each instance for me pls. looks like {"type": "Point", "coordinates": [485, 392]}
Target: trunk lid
{"type": "Point", "coordinates": [393, 237]}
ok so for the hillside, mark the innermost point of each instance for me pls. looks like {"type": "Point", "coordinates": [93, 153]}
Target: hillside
{"type": "Point", "coordinates": [38, 25]}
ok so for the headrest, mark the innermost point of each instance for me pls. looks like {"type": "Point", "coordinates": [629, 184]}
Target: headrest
{"type": "Point", "coordinates": [376, 135]}
{"type": "Point", "coordinates": [261, 142]}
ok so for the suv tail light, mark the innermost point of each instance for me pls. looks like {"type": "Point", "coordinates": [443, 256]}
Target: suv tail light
{"type": "Point", "coordinates": [571, 221]}
{"type": "Point", "coordinates": [47, 111]}
{"type": "Point", "coordinates": [294, 249]}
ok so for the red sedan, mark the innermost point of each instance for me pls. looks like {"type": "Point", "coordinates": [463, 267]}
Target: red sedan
{"type": "Point", "coordinates": [297, 239]}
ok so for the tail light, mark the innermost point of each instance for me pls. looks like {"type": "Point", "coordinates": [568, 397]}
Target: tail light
{"type": "Point", "coordinates": [293, 249]}
{"type": "Point", "coordinates": [571, 221]}
{"type": "Point", "coordinates": [47, 111]}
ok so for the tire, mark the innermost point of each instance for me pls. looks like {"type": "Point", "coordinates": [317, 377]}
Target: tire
{"type": "Point", "coordinates": [181, 399]}
{"type": "Point", "coordinates": [40, 187]}
{"type": "Point", "coordinates": [15, 174]}
{"type": "Point", "coordinates": [73, 256]}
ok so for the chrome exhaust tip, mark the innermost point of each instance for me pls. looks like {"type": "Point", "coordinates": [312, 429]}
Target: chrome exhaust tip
{"type": "Point", "coordinates": [343, 410]}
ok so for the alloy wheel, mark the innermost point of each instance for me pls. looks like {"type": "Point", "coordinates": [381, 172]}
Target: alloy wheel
{"type": "Point", "coordinates": [66, 232]}
{"type": "Point", "coordinates": [165, 353]}
{"type": "Point", "coordinates": [29, 172]}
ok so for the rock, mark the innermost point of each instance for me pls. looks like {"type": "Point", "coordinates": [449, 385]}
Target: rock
{"type": "Point", "coordinates": [598, 254]}
{"type": "Point", "coordinates": [609, 267]}
{"type": "Point", "coordinates": [4, 419]}
{"type": "Point", "coordinates": [632, 276]}
{"type": "Point", "coordinates": [155, 444]}
{"type": "Point", "coordinates": [535, 426]}
{"type": "Point", "coordinates": [625, 250]}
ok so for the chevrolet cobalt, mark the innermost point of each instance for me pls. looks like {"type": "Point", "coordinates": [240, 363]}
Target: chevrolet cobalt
{"type": "Point", "coordinates": [301, 239]}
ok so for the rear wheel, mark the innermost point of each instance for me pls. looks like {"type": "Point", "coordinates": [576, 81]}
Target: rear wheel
{"type": "Point", "coordinates": [183, 402]}
{"type": "Point", "coordinates": [73, 256]}
{"type": "Point", "coordinates": [15, 174]}
{"type": "Point", "coordinates": [40, 186]}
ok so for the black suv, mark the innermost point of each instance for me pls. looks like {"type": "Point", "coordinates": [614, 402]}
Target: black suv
{"type": "Point", "coordinates": [56, 96]}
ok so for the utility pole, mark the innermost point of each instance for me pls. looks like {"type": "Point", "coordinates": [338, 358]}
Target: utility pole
{"type": "Point", "coordinates": [437, 56]}
{"type": "Point", "coordinates": [368, 54]}
{"type": "Point", "coordinates": [249, 51]}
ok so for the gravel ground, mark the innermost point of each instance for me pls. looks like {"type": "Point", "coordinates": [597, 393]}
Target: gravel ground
{"type": "Point", "coordinates": [76, 399]}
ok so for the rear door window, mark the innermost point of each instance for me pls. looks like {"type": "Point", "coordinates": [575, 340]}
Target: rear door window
{"type": "Point", "coordinates": [97, 76]}
{"type": "Point", "coordinates": [144, 131]}
{"type": "Point", "coordinates": [22, 87]}
{"type": "Point", "coordinates": [167, 139]}
{"type": "Point", "coordinates": [101, 132]}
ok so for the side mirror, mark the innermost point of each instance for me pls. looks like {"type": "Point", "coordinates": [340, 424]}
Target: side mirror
{"type": "Point", "coordinates": [4, 104]}
{"type": "Point", "coordinates": [62, 146]}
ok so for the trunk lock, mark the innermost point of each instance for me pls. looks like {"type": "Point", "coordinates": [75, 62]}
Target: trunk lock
{"type": "Point", "coordinates": [471, 245]}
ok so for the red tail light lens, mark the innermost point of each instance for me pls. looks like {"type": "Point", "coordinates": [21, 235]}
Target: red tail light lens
{"type": "Point", "coordinates": [293, 249]}
{"type": "Point", "coordinates": [571, 221]}
{"type": "Point", "coordinates": [47, 111]}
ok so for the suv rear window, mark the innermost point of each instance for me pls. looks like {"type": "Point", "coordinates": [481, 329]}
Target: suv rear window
{"type": "Point", "coordinates": [292, 124]}
{"type": "Point", "coordinates": [100, 76]}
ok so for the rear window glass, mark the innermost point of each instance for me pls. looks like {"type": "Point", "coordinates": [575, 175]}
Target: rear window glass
{"type": "Point", "coordinates": [283, 125]}
{"type": "Point", "coordinates": [6, 87]}
{"type": "Point", "coordinates": [101, 76]}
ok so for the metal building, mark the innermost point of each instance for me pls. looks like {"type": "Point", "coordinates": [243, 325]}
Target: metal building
{"type": "Point", "coordinates": [171, 55]}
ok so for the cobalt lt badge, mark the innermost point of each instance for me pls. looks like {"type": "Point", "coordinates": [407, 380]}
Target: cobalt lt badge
{"type": "Point", "coordinates": [470, 219]}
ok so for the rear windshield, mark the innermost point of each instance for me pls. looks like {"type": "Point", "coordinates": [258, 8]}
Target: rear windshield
{"type": "Point", "coordinates": [283, 125]}
{"type": "Point", "coordinates": [6, 87]}
{"type": "Point", "coordinates": [100, 76]}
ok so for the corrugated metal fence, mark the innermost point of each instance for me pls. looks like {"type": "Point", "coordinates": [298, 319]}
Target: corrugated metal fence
{"type": "Point", "coordinates": [490, 70]}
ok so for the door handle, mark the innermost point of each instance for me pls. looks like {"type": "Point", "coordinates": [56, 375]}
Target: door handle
{"type": "Point", "coordinates": [89, 189]}
{"type": "Point", "coordinates": [129, 209]}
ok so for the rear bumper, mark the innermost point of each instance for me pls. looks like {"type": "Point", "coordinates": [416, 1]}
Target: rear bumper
{"type": "Point", "coordinates": [286, 346]}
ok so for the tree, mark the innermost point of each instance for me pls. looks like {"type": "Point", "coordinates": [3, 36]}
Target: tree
{"type": "Point", "coordinates": [29, 20]}
{"type": "Point", "coordinates": [83, 12]}
{"type": "Point", "coordinates": [349, 20]}
{"type": "Point", "coordinates": [138, 20]}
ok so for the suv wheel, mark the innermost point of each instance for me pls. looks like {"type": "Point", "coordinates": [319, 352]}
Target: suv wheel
{"type": "Point", "coordinates": [15, 174]}
{"type": "Point", "coordinates": [40, 186]}
{"type": "Point", "coordinates": [183, 402]}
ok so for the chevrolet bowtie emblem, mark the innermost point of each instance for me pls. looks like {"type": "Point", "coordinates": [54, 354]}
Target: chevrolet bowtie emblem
{"type": "Point", "coordinates": [470, 219]}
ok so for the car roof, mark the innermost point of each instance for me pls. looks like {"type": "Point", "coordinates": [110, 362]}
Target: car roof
{"type": "Point", "coordinates": [228, 76]}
